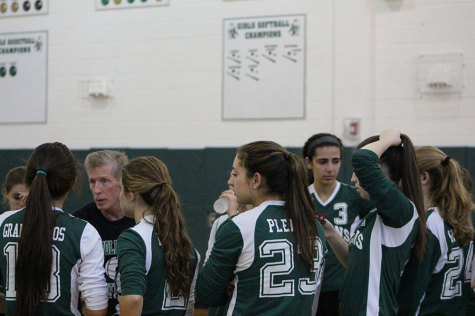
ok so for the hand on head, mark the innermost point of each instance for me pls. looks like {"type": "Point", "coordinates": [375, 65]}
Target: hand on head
{"type": "Point", "coordinates": [392, 136]}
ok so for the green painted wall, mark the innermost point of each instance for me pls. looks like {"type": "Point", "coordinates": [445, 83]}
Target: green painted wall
{"type": "Point", "coordinates": [199, 176]}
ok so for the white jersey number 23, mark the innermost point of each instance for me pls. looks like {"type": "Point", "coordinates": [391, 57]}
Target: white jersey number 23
{"type": "Point", "coordinates": [281, 250]}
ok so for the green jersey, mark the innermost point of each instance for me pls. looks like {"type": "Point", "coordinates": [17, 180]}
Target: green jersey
{"type": "Point", "coordinates": [344, 209]}
{"type": "Point", "coordinates": [471, 271]}
{"type": "Point", "coordinates": [256, 251]}
{"type": "Point", "coordinates": [142, 271]}
{"type": "Point", "coordinates": [435, 285]}
{"type": "Point", "coordinates": [77, 264]}
{"type": "Point", "coordinates": [381, 245]}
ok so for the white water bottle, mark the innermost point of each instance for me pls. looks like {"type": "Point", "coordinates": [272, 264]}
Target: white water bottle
{"type": "Point", "coordinates": [221, 205]}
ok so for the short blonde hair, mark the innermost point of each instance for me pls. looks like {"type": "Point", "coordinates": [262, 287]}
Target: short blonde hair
{"type": "Point", "coordinates": [100, 158]}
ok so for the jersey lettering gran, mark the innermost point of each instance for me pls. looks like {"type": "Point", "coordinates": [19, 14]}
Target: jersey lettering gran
{"type": "Point", "coordinates": [256, 250]}
{"type": "Point", "coordinates": [380, 247]}
{"type": "Point", "coordinates": [436, 284]}
{"type": "Point", "coordinates": [76, 267]}
{"type": "Point", "coordinates": [344, 209]}
{"type": "Point", "coordinates": [142, 271]}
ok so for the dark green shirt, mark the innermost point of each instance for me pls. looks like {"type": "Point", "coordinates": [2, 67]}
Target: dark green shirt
{"type": "Point", "coordinates": [344, 209]}
{"type": "Point", "coordinates": [381, 245]}
{"type": "Point", "coordinates": [436, 284]}
{"type": "Point", "coordinates": [469, 291]}
{"type": "Point", "coordinates": [77, 264]}
{"type": "Point", "coordinates": [256, 250]}
{"type": "Point", "coordinates": [142, 271]}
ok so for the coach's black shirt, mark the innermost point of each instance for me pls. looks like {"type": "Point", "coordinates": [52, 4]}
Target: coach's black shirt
{"type": "Point", "coordinates": [109, 232]}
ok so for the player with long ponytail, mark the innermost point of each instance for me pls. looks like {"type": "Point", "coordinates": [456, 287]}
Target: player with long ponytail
{"type": "Point", "coordinates": [157, 262]}
{"type": "Point", "coordinates": [385, 172]}
{"type": "Point", "coordinates": [437, 285]}
{"type": "Point", "coordinates": [58, 254]}
{"type": "Point", "coordinates": [280, 236]}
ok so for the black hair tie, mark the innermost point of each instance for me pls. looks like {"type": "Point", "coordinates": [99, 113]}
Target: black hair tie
{"type": "Point", "coordinates": [445, 162]}
{"type": "Point", "coordinates": [287, 155]}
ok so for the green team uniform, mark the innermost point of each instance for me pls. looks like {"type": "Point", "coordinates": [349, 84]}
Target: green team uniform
{"type": "Point", "coordinates": [77, 264]}
{"type": "Point", "coordinates": [344, 209]}
{"type": "Point", "coordinates": [381, 245]}
{"type": "Point", "coordinates": [435, 285]}
{"type": "Point", "coordinates": [142, 271]}
{"type": "Point", "coordinates": [471, 270]}
{"type": "Point", "coordinates": [214, 311]}
{"type": "Point", "coordinates": [256, 250]}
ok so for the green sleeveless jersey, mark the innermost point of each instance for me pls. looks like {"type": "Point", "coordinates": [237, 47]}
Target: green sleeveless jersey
{"type": "Point", "coordinates": [77, 264]}
{"type": "Point", "coordinates": [381, 245]}
{"type": "Point", "coordinates": [344, 209]}
{"type": "Point", "coordinates": [142, 271]}
{"type": "Point", "coordinates": [256, 251]}
{"type": "Point", "coordinates": [435, 285]}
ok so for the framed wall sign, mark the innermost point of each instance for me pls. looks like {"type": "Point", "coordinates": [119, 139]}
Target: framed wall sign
{"type": "Point", "coordinates": [23, 77]}
{"type": "Point", "coordinates": [264, 68]}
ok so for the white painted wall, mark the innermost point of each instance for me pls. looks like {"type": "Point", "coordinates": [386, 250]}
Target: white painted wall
{"type": "Point", "coordinates": [165, 67]}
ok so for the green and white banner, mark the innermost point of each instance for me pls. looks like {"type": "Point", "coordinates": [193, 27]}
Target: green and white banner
{"type": "Point", "coordinates": [9, 8]}
{"type": "Point", "coordinates": [23, 77]}
{"type": "Point", "coordinates": [124, 4]}
{"type": "Point", "coordinates": [264, 67]}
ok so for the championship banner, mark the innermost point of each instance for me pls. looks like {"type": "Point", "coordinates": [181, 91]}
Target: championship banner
{"type": "Point", "coordinates": [264, 67]}
{"type": "Point", "coordinates": [23, 77]}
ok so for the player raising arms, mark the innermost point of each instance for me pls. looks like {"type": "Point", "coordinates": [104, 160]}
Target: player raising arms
{"type": "Point", "coordinates": [274, 252]}
{"type": "Point", "coordinates": [436, 284]}
{"type": "Point", "coordinates": [58, 254]}
{"type": "Point", "coordinates": [339, 202]}
{"type": "Point", "coordinates": [157, 263]}
{"type": "Point", "coordinates": [385, 172]}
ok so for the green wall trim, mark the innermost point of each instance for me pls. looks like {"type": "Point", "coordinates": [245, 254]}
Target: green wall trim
{"type": "Point", "coordinates": [198, 175]}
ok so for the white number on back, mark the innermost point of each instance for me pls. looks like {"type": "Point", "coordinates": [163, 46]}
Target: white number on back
{"type": "Point", "coordinates": [451, 287]}
{"type": "Point", "coordinates": [11, 253]}
{"type": "Point", "coordinates": [282, 251]}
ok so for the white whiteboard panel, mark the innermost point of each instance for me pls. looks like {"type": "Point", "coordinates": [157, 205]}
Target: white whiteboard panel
{"type": "Point", "coordinates": [23, 77]}
{"type": "Point", "coordinates": [264, 67]}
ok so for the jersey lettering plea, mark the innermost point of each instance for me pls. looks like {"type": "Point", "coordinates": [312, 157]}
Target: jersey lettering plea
{"type": "Point", "coordinates": [257, 250]}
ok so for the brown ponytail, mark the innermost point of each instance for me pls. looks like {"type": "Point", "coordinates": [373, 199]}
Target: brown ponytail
{"type": "Point", "coordinates": [402, 167]}
{"type": "Point", "coordinates": [50, 175]}
{"type": "Point", "coordinates": [285, 174]}
{"type": "Point", "coordinates": [149, 177]}
{"type": "Point", "coordinates": [447, 191]}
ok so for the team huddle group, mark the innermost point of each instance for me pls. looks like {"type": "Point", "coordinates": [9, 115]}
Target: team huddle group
{"type": "Point", "coordinates": [294, 240]}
